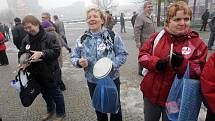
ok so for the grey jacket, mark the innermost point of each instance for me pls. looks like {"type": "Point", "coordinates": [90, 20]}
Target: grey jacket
{"type": "Point", "coordinates": [60, 27]}
{"type": "Point", "coordinates": [212, 25]}
{"type": "Point", "coordinates": [144, 26]}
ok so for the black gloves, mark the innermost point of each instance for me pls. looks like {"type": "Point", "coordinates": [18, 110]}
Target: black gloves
{"type": "Point", "coordinates": [161, 65]}
{"type": "Point", "coordinates": [177, 59]}
{"type": "Point", "coordinates": [69, 50]}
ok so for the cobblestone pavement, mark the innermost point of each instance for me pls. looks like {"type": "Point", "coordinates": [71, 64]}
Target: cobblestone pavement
{"type": "Point", "coordinates": [77, 100]}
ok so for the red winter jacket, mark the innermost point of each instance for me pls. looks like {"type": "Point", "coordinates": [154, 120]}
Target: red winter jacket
{"type": "Point", "coordinates": [208, 83]}
{"type": "Point", "coordinates": [2, 46]}
{"type": "Point", "coordinates": [156, 85]}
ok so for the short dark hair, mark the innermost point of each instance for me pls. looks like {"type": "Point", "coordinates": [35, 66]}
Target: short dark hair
{"type": "Point", "coordinates": [55, 17]}
{"type": "Point", "coordinates": [17, 20]}
{"type": "Point", "coordinates": [31, 19]}
{"type": "Point", "coordinates": [107, 11]}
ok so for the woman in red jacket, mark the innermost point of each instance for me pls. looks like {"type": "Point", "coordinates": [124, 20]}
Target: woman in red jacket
{"type": "Point", "coordinates": [187, 47]}
{"type": "Point", "coordinates": [208, 87]}
{"type": "Point", "coordinates": [3, 56]}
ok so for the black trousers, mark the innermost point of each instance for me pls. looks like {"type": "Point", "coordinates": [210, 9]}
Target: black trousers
{"type": "Point", "coordinates": [3, 58]}
{"type": "Point", "coordinates": [103, 116]}
{"type": "Point", "coordinates": [204, 25]}
{"type": "Point", "coordinates": [210, 116]}
{"type": "Point", "coordinates": [211, 39]}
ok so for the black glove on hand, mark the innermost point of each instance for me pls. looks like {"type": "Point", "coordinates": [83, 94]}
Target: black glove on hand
{"type": "Point", "coordinates": [161, 65]}
{"type": "Point", "coordinates": [177, 59]}
{"type": "Point", "coordinates": [69, 50]}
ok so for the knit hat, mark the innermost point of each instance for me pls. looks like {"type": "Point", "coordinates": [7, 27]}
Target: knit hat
{"type": "Point", "coordinates": [46, 24]}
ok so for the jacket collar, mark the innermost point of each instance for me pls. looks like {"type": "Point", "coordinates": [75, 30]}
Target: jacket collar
{"type": "Point", "coordinates": [103, 32]}
{"type": "Point", "coordinates": [188, 35]}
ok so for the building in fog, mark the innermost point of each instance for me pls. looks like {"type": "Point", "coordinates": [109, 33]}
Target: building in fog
{"type": "Point", "coordinates": [76, 11]}
{"type": "Point", "coordinates": [22, 8]}
{"type": "Point", "coordinates": [3, 5]}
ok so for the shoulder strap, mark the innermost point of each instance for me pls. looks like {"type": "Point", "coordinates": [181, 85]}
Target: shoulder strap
{"type": "Point", "coordinates": [112, 35]}
{"type": "Point", "coordinates": [83, 37]}
{"type": "Point", "coordinates": [18, 78]}
{"type": "Point", "coordinates": [157, 39]}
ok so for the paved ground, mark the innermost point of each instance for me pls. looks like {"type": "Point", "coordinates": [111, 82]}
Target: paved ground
{"type": "Point", "coordinates": [78, 104]}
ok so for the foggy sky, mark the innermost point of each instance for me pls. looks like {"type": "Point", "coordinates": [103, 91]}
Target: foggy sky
{"type": "Point", "coordinates": [3, 5]}
{"type": "Point", "coordinates": [46, 4]}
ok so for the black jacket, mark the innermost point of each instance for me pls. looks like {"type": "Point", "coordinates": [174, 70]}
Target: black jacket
{"type": "Point", "coordinates": [46, 72]}
{"type": "Point", "coordinates": [212, 24]}
{"type": "Point", "coordinates": [18, 35]}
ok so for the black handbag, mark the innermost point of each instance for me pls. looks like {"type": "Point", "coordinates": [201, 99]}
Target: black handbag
{"type": "Point", "coordinates": [28, 92]}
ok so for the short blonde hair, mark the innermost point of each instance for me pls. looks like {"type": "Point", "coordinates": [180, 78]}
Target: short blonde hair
{"type": "Point", "coordinates": [102, 15]}
{"type": "Point", "coordinates": [174, 7]}
{"type": "Point", "coordinates": [48, 15]}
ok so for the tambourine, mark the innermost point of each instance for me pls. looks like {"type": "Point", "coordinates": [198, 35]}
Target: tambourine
{"type": "Point", "coordinates": [102, 67]}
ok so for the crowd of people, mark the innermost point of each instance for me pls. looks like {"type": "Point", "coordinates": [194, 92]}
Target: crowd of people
{"type": "Point", "coordinates": [180, 45]}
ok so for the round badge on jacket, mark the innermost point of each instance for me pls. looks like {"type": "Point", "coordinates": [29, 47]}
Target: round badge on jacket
{"type": "Point", "coordinates": [27, 47]}
{"type": "Point", "coordinates": [186, 50]}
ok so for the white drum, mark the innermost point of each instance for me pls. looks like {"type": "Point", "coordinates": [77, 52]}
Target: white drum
{"type": "Point", "coordinates": [102, 68]}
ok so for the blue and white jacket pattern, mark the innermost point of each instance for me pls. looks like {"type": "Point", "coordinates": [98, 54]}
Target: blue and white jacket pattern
{"type": "Point", "coordinates": [97, 46]}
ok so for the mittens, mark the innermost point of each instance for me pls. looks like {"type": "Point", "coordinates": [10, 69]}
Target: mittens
{"type": "Point", "coordinates": [161, 65]}
{"type": "Point", "coordinates": [177, 59]}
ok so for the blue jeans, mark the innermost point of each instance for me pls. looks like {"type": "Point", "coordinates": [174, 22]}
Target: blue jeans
{"type": "Point", "coordinates": [103, 116]}
{"type": "Point", "coordinates": [54, 97]}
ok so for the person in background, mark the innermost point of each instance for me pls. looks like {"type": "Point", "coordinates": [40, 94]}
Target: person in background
{"type": "Point", "coordinates": [18, 33]}
{"type": "Point", "coordinates": [2, 30]}
{"type": "Point", "coordinates": [109, 20]}
{"type": "Point", "coordinates": [48, 27]}
{"type": "Point", "coordinates": [60, 26]}
{"type": "Point", "coordinates": [85, 56]}
{"type": "Point", "coordinates": [44, 46]}
{"type": "Point", "coordinates": [212, 34]}
{"type": "Point", "coordinates": [46, 18]}
{"type": "Point", "coordinates": [205, 18]}
{"type": "Point", "coordinates": [188, 47]}
{"type": "Point", "coordinates": [144, 26]}
{"type": "Point", "coordinates": [133, 18]}
{"type": "Point", "coordinates": [122, 23]}
{"type": "Point", "coordinates": [115, 20]}
{"type": "Point", "coordinates": [3, 55]}
{"type": "Point", "coordinates": [7, 34]}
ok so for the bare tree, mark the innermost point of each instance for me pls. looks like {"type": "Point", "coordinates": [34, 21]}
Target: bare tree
{"type": "Point", "coordinates": [105, 4]}
{"type": "Point", "coordinates": [172, 1]}
{"type": "Point", "coordinates": [137, 1]}
{"type": "Point", "coordinates": [206, 4]}
{"type": "Point", "coordinates": [159, 13]}
{"type": "Point", "coordinates": [194, 10]}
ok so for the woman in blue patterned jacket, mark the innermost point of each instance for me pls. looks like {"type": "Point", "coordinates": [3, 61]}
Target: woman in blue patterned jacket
{"type": "Point", "coordinates": [96, 43]}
